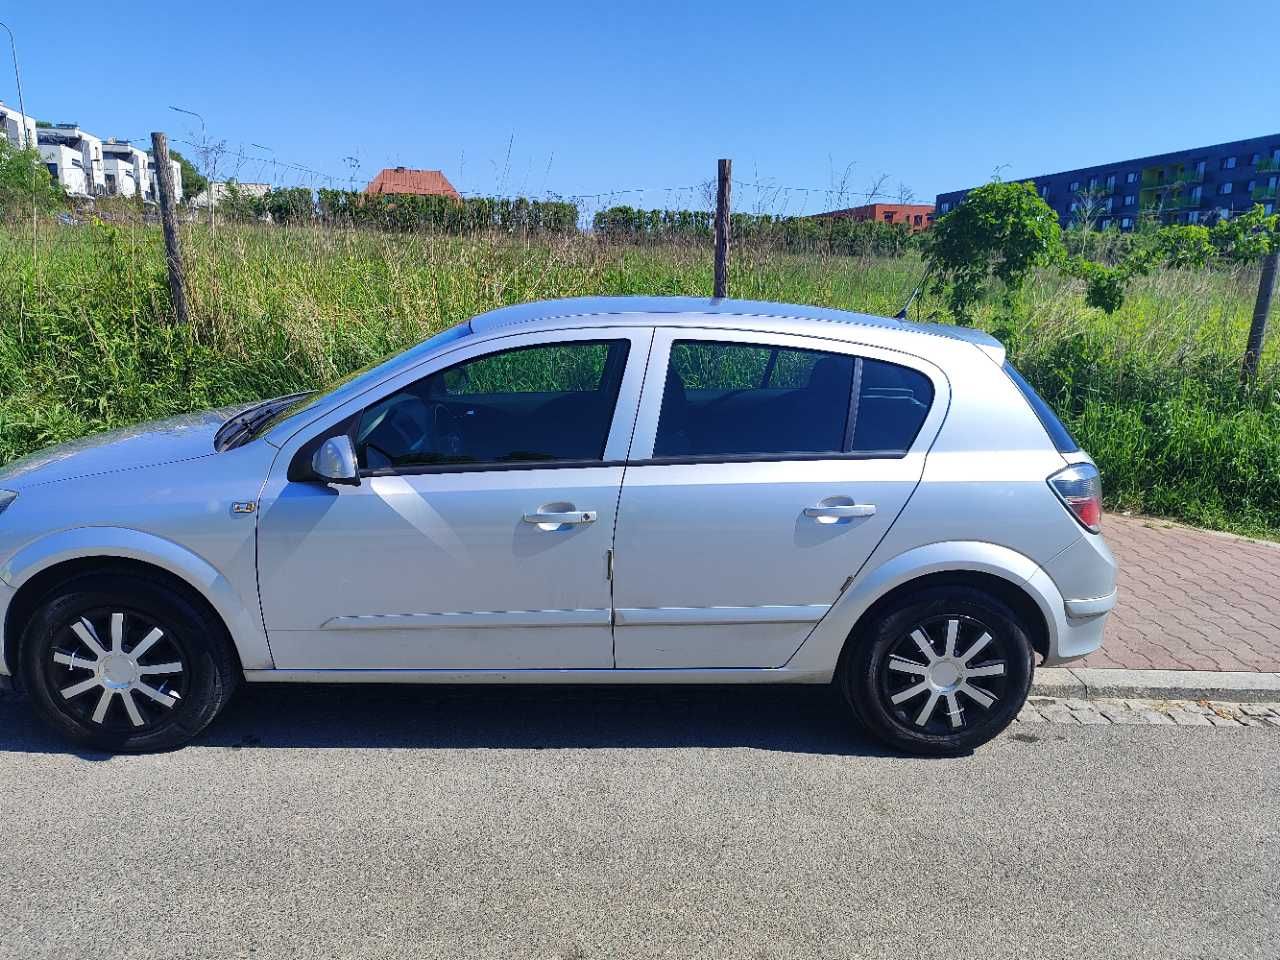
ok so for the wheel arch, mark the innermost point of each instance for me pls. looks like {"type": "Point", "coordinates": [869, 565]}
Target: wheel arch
{"type": "Point", "coordinates": [39, 567]}
{"type": "Point", "coordinates": [1003, 572]}
{"type": "Point", "coordinates": [1006, 591]}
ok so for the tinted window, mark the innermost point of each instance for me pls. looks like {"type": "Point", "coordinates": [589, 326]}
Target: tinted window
{"type": "Point", "coordinates": [893, 402]}
{"type": "Point", "coordinates": [531, 404]}
{"type": "Point", "coordinates": [1052, 425]}
{"type": "Point", "coordinates": [731, 399]}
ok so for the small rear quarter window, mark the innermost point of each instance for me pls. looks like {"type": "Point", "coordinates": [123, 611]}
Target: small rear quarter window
{"type": "Point", "coordinates": [893, 402]}
{"type": "Point", "coordinates": [1061, 438]}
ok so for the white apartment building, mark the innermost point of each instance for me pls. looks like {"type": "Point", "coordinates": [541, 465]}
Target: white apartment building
{"type": "Point", "coordinates": [217, 192]}
{"type": "Point", "coordinates": [19, 129]}
{"type": "Point", "coordinates": [124, 170]}
{"type": "Point", "coordinates": [153, 192]}
{"type": "Point", "coordinates": [74, 158]}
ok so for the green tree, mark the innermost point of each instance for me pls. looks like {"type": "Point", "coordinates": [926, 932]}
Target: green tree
{"type": "Point", "coordinates": [1002, 231]}
{"type": "Point", "coordinates": [1247, 237]}
{"type": "Point", "coordinates": [23, 175]}
{"type": "Point", "coordinates": [193, 181]}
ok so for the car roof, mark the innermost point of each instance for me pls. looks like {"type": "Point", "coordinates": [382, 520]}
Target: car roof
{"type": "Point", "coordinates": [785, 317]}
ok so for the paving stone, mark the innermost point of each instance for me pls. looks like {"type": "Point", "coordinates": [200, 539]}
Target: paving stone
{"type": "Point", "coordinates": [1154, 716]}
{"type": "Point", "coordinates": [1120, 715]}
{"type": "Point", "coordinates": [1077, 704]}
{"type": "Point", "coordinates": [1187, 719]}
{"type": "Point", "coordinates": [1088, 717]}
{"type": "Point", "coordinates": [1273, 721]}
{"type": "Point", "coordinates": [1057, 714]}
{"type": "Point", "coordinates": [1256, 709]}
{"type": "Point", "coordinates": [1029, 715]}
{"type": "Point", "coordinates": [1218, 721]}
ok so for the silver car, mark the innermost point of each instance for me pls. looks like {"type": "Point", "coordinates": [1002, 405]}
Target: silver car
{"type": "Point", "coordinates": [580, 491]}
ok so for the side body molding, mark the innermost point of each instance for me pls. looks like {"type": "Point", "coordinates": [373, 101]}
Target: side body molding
{"type": "Point", "coordinates": [821, 649]}
{"type": "Point", "coordinates": [238, 613]}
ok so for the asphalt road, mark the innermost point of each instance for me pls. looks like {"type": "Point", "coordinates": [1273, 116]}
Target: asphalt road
{"type": "Point", "coordinates": [545, 823]}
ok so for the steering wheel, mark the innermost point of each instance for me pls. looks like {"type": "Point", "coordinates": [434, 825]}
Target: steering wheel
{"type": "Point", "coordinates": [405, 428]}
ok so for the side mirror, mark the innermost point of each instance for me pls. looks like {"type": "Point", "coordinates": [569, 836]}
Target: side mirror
{"type": "Point", "coordinates": [335, 462]}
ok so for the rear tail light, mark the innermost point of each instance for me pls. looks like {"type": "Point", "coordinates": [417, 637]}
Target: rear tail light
{"type": "Point", "coordinates": [1079, 486]}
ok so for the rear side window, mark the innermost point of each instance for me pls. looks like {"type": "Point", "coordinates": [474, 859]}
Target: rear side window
{"type": "Point", "coordinates": [1063, 440]}
{"type": "Point", "coordinates": [742, 400]}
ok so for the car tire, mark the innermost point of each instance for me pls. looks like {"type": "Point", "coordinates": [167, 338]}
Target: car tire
{"type": "Point", "coordinates": [121, 663]}
{"type": "Point", "coordinates": [940, 673]}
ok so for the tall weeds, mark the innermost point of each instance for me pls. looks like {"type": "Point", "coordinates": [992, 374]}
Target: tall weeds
{"type": "Point", "coordinates": [87, 340]}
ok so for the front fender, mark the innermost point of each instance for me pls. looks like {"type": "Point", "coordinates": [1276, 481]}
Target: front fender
{"type": "Point", "coordinates": [240, 614]}
{"type": "Point", "coordinates": [821, 649]}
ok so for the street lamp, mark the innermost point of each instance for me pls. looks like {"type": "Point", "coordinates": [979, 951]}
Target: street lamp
{"type": "Point", "coordinates": [204, 148]}
{"type": "Point", "coordinates": [23, 138]}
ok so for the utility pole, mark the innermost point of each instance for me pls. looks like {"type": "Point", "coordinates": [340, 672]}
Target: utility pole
{"type": "Point", "coordinates": [724, 184]}
{"type": "Point", "coordinates": [169, 217]}
{"type": "Point", "coordinates": [1258, 329]}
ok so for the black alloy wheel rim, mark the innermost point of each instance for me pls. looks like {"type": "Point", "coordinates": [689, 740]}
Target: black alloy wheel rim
{"type": "Point", "coordinates": [946, 675]}
{"type": "Point", "coordinates": [117, 670]}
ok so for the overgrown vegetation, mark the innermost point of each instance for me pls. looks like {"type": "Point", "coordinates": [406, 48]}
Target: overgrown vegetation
{"type": "Point", "coordinates": [87, 340]}
{"type": "Point", "coordinates": [24, 180]}
{"type": "Point", "coordinates": [835, 235]}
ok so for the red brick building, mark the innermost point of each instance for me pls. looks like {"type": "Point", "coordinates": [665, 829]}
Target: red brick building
{"type": "Point", "coordinates": [914, 216]}
{"type": "Point", "coordinates": [427, 183]}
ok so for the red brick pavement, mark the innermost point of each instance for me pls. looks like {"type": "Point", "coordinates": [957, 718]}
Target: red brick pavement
{"type": "Point", "coordinates": [1191, 600]}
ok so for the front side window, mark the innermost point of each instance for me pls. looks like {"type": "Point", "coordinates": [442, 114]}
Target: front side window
{"type": "Point", "coordinates": [537, 404]}
{"type": "Point", "coordinates": [744, 400]}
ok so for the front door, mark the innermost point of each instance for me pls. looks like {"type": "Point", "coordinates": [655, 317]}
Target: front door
{"type": "Point", "coordinates": [480, 533]}
{"type": "Point", "coordinates": [761, 479]}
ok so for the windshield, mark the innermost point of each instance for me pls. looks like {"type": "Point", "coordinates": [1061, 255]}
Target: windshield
{"type": "Point", "coordinates": [355, 382]}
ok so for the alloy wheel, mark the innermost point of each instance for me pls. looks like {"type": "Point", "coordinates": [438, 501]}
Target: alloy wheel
{"type": "Point", "coordinates": [945, 675]}
{"type": "Point", "coordinates": [135, 678]}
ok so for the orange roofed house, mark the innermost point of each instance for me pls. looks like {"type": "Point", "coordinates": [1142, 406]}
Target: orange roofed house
{"type": "Point", "coordinates": [914, 216]}
{"type": "Point", "coordinates": [426, 183]}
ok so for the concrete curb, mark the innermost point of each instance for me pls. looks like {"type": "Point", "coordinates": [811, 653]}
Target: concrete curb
{"type": "Point", "coordinates": [1089, 683]}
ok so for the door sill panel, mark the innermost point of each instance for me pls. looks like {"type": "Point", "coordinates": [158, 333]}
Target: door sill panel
{"type": "Point", "coordinates": [460, 644]}
{"type": "Point", "coordinates": [585, 676]}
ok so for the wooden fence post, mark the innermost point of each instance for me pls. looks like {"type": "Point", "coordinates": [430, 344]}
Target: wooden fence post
{"type": "Point", "coordinates": [1258, 329]}
{"type": "Point", "coordinates": [169, 217]}
{"type": "Point", "coordinates": [724, 184]}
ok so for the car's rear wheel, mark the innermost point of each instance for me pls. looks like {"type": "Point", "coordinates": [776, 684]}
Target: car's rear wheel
{"type": "Point", "coordinates": [940, 673]}
{"type": "Point", "coordinates": [119, 663]}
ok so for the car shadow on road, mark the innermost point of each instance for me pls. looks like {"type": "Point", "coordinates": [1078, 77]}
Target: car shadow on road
{"type": "Point", "coordinates": [792, 719]}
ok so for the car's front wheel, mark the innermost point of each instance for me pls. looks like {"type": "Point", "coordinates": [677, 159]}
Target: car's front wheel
{"type": "Point", "coordinates": [120, 663]}
{"type": "Point", "coordinates": [940, 673]}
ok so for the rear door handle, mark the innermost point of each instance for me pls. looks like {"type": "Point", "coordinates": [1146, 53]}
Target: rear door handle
{"type": "Point", "coordinates": [841, 511]}
{"type": "Point", "coordinates": [558, 519]}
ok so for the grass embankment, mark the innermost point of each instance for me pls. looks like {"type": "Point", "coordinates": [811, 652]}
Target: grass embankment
{"type": "Point", "coordinates": [86, 340]}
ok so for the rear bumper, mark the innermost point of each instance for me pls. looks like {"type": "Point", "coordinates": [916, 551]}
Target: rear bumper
{"type": "Point", "coordinates": [1075, 626]}
{"type": "Point", "coordinates": [1084, 609]}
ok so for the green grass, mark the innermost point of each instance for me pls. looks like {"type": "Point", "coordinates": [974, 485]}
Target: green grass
{"type": "Point", "coordinates": [87, 342]}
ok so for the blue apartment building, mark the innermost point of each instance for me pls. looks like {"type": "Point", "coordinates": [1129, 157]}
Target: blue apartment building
{"type": "Point", "coordinates": [1200, 185]}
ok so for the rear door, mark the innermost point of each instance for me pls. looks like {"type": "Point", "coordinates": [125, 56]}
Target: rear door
{"type": "Point", "coordinates": [764, 471]}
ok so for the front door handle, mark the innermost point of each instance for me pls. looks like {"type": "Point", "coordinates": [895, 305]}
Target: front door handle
{"type": "Point", "coordinates": [840, 511]}
{"type": "Point", "coordinates": [551, 519]}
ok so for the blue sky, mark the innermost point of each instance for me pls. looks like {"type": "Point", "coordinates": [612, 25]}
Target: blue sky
{"type": "Point", "coordinates": [591, 98]}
